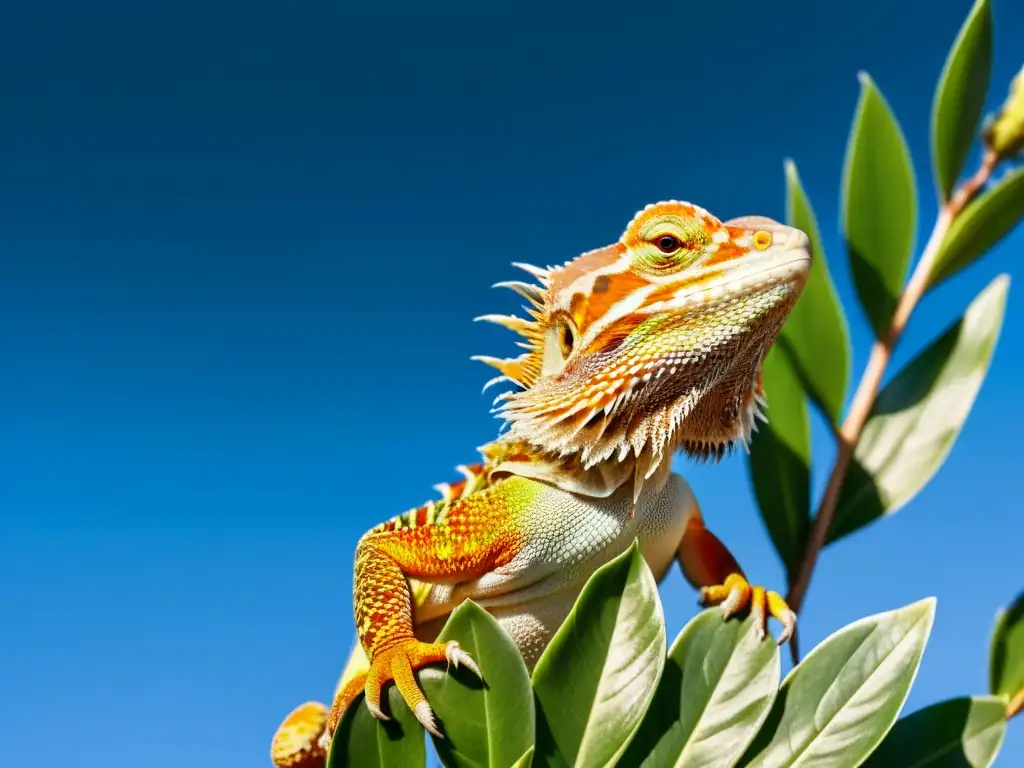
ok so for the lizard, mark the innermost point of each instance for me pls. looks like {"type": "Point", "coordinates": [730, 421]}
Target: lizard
{"type": "Point", "coordinates": [634, 352]}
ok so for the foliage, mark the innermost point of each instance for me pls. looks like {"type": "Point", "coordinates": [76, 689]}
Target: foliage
{"type": "Point", "coordinates": [894, 438]}
{"type": "Point", "coordinates": [918, 414]}
{"type": "Point", "coordinates": [879, 206]}
{"type": "Point", "coordinates": [982, 224]}
{"type": "Point", "coordinates": [960, 98]}
{"type": "Point", "coordinates": [1006, 666]}
{"type": "Point", "coordinates": [879, 214]}
{"type": "Point", "coordinates": [605, 692]}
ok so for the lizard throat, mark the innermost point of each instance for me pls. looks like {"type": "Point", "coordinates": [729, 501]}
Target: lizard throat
{"type": "Point", "coordinates": [701, 399]}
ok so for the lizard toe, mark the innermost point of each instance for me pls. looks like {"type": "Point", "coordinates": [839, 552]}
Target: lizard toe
{"type": "Point", "coordinates": [759, 610]}
{"type": "Point", "coordinates": [425, 715]}
{"type": "Point", "coordinates": [376, 711]}
{"type": "Point", "coordinates": [735, 602]}
{"type": "Point", "coordinates": [457, 656]}
{"type": "Point", "coordinates": [735, 595]}
{"type": "Point", "coordinates": [778, 608]}
{"type": "Point", "coordinates": [398, 664]}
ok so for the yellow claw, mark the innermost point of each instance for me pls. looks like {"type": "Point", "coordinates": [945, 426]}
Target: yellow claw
{"type": "Point", "coordinates": [736, 594]}
{"type": "Point", "coordinates": [399, 664]}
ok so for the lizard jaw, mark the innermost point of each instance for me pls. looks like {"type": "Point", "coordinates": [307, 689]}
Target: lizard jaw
{"type": "Point", "coordinates": [702, 403]}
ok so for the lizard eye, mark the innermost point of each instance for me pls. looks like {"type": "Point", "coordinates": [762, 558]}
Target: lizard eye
{"type": "Point", "coordinates": [762, 239]}
{"type": "Point", "coordinates": [668, 243]}
{"type": "Point", "coordinates": [565, 338]}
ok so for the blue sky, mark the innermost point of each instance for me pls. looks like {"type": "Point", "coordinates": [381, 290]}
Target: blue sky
{"type": "Point", "coordinates": [241, 245]}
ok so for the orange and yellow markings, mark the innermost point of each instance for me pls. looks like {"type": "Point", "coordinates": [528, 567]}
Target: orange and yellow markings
{"type": "Point", "coordinates": [727, 251]}
{"type": "Point", "coordinates": [474, 479]}
{"type": "Point", "coordinates": [585, 264]}
{"type": "Point", "coordinates": [474, 535]}
{"type": "Point", "coordinates": [670, 290]}
{"type": "Point", "coordinates": [295, 744]}
{"type": "Point", "coordinates": [612, 337]}
{"type": "Point", "coordinates": [619, 286]}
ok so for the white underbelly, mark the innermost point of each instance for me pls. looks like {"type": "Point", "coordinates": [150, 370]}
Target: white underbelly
{"type": "Point", "coordinates": [568, 537]}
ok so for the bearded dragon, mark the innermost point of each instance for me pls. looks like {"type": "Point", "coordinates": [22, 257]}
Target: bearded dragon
{"type": "Point", "coordinates": [633, 352]}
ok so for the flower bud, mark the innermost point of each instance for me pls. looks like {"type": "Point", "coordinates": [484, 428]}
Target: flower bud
{"type": "Point", "coordinates": [1004, 133]}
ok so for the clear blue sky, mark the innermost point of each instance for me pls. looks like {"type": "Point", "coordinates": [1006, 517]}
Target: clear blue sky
{"type": "Point", "coordinates": [241, 245]}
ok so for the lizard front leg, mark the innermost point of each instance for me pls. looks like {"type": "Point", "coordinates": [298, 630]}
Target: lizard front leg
{"type": "Point", "coordinates": [468, 537]}
{"type": "Point", "coordinates": [709, 566]}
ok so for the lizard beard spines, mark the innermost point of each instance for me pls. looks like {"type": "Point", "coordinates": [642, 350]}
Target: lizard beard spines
{"type": "Point", "coordinates": [704, 412]}
{"type": "Point", "coordinates": [542, 275]}
{"type": "Point", "coordinates": [630, 419]}
{"type": "Point", "coordinates": [525, 369]}
{"type": "Point", "coordinates": [703, 451]}
{"type": "Point", "coordinates": [532, 293]}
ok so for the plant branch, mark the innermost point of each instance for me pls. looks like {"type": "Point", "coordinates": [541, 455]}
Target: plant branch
{"type": "Point", "coordinates": [849, 433]}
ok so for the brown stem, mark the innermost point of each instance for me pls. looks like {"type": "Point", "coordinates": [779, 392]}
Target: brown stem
{"type": "Point", "coordinates": [864, 397]}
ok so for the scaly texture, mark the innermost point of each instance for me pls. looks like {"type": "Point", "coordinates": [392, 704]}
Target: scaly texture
{"type": "Point", "coordinates": [632, 351]}
{"type": "Point", "coordinates": [463, 538]}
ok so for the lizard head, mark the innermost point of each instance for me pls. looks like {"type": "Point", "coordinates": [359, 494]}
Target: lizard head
{"type": "Point", "coordinates": [654, 343]}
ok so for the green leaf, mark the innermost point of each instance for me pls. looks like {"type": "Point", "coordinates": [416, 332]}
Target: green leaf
{"type": "Point", "coordinates": [716, 690]}
{"type": "Point", "coordinates": [836, 706]}
{"type": "Point", "coordinates": [918, 415]}
{"type": "Point", "coordinates": [780, 460]}
{"type": "Point", "coordinates": [983, 223]}
{"type": "Point", "coordinates": [816, 336]}
{"type": "Point", "coordinates": [487, 723]}
{"type": "Point", "coordinates": [1006, 658]}
{"type": "Point", "coordinates": [525, 761]}
{"type": "Point", "coordinates": [597, 676]}
{"type": "Point", "coordinates": [879, 206]}
{"type": "Point", "coordinates": [960, 97]}
{"type": "Point", "coordinates": [958, 733]}
{"type": "Point", "coordinates": [363, 740]}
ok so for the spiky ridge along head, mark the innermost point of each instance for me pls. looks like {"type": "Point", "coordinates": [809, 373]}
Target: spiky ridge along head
{"type": "Point", "coordinates": [653, 343]}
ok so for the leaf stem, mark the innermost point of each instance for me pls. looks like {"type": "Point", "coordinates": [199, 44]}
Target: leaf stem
{"type": "Point", "coordinates": [849, 433]}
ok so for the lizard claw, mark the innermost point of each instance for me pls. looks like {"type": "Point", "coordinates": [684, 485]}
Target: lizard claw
{"type": "Point", "coordinates": [457, 656]}
{"type": "Point", "coordinates": [376, 711]}
{"type": "Point", "coordinates": [736, 594]}
{"type": "Point", "coordinates": [398, 664]}
{"type": "Point", "coordinates": [738, 597]}
{"type": "Point", "coordinates": [426, 717]}
{"type": "Point", "coordinates": [732, 595]}
{"type": "Point", "coordinates": [788, 619]}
